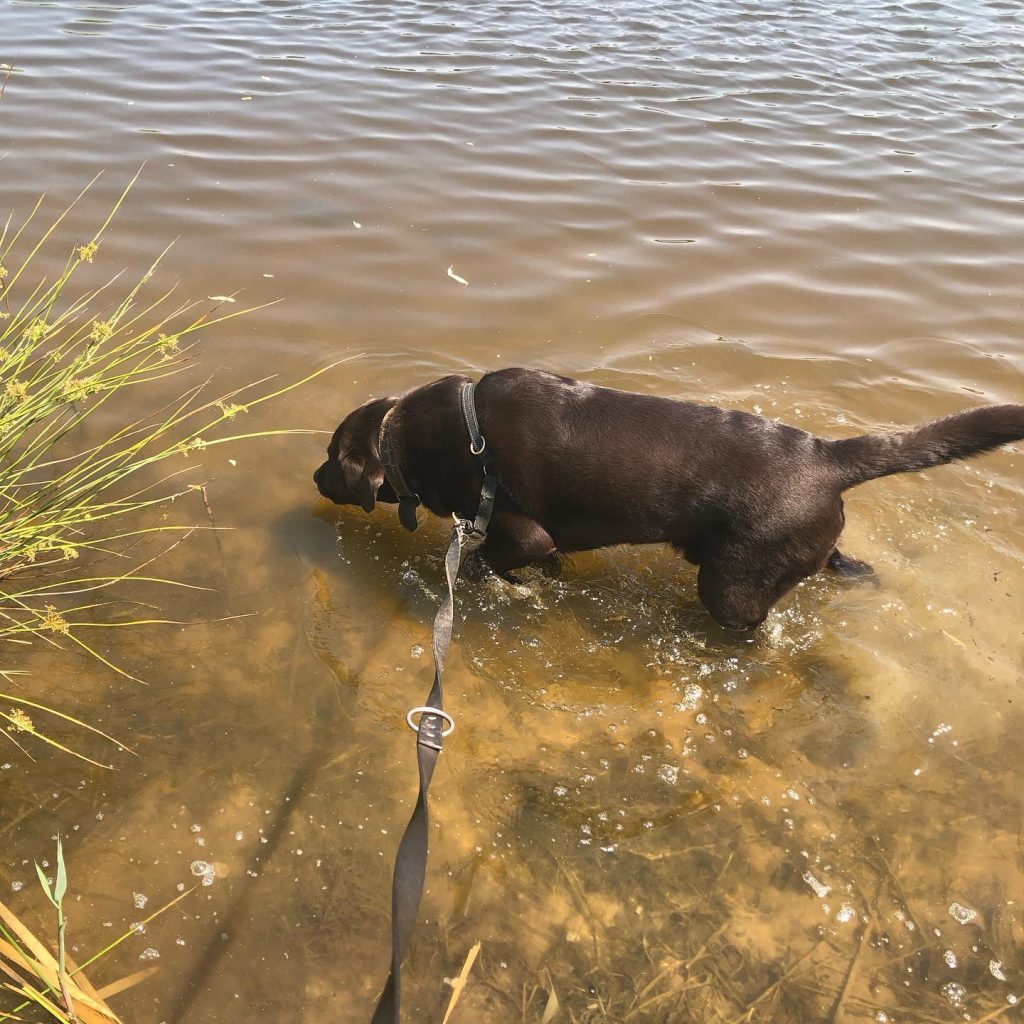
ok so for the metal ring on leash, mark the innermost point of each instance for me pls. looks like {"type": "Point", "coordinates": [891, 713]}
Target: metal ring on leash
{"type": "Point", "coordinates": [430, 711]}
{"type": "Point", "coordinates": [480, 450]}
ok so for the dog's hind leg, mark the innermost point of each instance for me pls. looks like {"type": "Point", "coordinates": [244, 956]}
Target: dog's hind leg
{"type": "Point", "coordinates": [736, 600]}
{"type": "Point", "coordinates": [846, 566]}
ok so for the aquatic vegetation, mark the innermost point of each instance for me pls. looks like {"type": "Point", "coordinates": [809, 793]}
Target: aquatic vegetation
{"type": "Point", "coordinates": [86, 451]}
{"type": "Point", "coordinates": [30, 976]}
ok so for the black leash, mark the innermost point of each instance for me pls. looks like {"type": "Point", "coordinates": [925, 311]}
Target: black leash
{"type": "Point", "coordinates": [435, 723]}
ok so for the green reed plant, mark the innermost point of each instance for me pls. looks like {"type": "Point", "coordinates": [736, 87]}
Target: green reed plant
{"type": "Point", "coordinates": [71, 488]}
{"type": "Point", "coordinates": [32, 978]}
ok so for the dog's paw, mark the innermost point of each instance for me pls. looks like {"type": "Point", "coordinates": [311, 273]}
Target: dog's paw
{"type": "Point", "coordinates": [551, 567]}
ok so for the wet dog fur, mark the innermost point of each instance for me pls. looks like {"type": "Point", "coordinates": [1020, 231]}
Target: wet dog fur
{"type": "Point", "coordinates": [756, 504]}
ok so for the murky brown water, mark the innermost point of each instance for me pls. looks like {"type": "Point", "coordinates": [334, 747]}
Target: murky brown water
{"type": "Point", "coordinates": [804, 208]}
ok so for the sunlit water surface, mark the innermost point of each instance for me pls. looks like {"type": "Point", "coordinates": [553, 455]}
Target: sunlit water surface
{"type": "Point", "coordinates": [805, 209]}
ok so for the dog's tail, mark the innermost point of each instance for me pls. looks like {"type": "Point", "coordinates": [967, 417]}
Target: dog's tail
{"type": "Point", "coordinates": [959, 436]}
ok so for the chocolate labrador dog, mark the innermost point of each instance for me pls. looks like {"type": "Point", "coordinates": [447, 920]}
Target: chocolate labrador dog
{"type": "Point", "coordinates": [757, 505]}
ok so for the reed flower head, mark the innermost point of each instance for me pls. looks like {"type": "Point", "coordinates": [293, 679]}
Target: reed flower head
{"type": "Point", "coordinates": [88, 251]}
{"type": "Point", "coordinates": [167, 344]}
{"type": "Point", "coordinates": [37, 330]}
{"type": "Point", "coordinates": [54, 621]}
{"type": "Point", "coordinates": [77, 388]}
{"type": "Point", "coordinates": [16, 391]}
{"type": "Point", "coordinates": [20, 722]}
{"type": "Point", "coordinates": [102, 330]}
{"type": "Point", "coordinates": [196, 444]}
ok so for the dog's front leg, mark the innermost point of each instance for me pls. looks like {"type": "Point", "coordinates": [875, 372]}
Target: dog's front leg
{"type": "Point", "coordinates": [514, 541]}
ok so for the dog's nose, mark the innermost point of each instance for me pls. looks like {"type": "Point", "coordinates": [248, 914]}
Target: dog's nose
{"type": "Point", "coordinates": [316, 475]}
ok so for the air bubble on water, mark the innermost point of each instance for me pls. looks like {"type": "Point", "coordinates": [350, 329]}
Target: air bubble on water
{"type": "Point", "coordinates": [741, 754]}
{"type": "Point", "coordinates": [950, 957]}
{"type": "Point", "coordinates": [995, 968]}
{"type": "Point", "coordinates": [204, 870]}
{"type": "Point", "coordinates": [846, 914]}
{"type": "Point", "coordinates": [882, 1017]}
{"type": "Point", "coordinates": [1012, 999]}
{"type": "Point", "coordinates": [821, 890]}
{"type": "Point", "coordinates": [196, 828]}
{"type": "Point", "coordinates": [961, 914]}
{"type": "Point", "coordinates": [150, 954]}
{"type": "Point", "coordinates": [560, 791]}
{"type": "Point", "coordinates": [692, 693]}
{"type": "Point", "coordinates": [668, 773]}
{"type": "Point", "coordinates": [416, 651]}
{"type": "Point", "coordinates": [954, 992]}
{"type": "Point", "coordinates": [139, 927]}
{"type": "Point", "coordinates": [239, 835]}
{"type": "Point", "coordinates": [139, 900]}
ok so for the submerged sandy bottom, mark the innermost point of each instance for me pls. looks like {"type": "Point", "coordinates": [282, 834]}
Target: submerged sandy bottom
{"type": "Point", "coordinates": [793, 209]}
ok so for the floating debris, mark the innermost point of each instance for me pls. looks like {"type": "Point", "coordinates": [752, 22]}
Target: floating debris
{"type": "Point", "coordinates": [455, 277]}
{"type": "Point", "coordinates": [995, 968]}
{"type": "Point", "coordinates": [821, 890]}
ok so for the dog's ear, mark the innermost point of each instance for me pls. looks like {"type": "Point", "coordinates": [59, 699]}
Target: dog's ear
{"type": "Point", "coordinates": [363, 479]}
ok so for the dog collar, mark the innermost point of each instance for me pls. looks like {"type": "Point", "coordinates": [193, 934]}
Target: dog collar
{"type": "Point", "coordinates": [408, 500]}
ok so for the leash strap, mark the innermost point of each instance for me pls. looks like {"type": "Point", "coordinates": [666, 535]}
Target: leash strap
{"type": "Point", "coordinates": [434, 725]}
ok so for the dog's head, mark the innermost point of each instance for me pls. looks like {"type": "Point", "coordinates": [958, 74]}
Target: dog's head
{"type": "Point", "coordinates": [353, 473]}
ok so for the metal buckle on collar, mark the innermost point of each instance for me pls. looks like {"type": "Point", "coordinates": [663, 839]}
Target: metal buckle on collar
{"type": "Point", "coordinates": [471, 536]}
